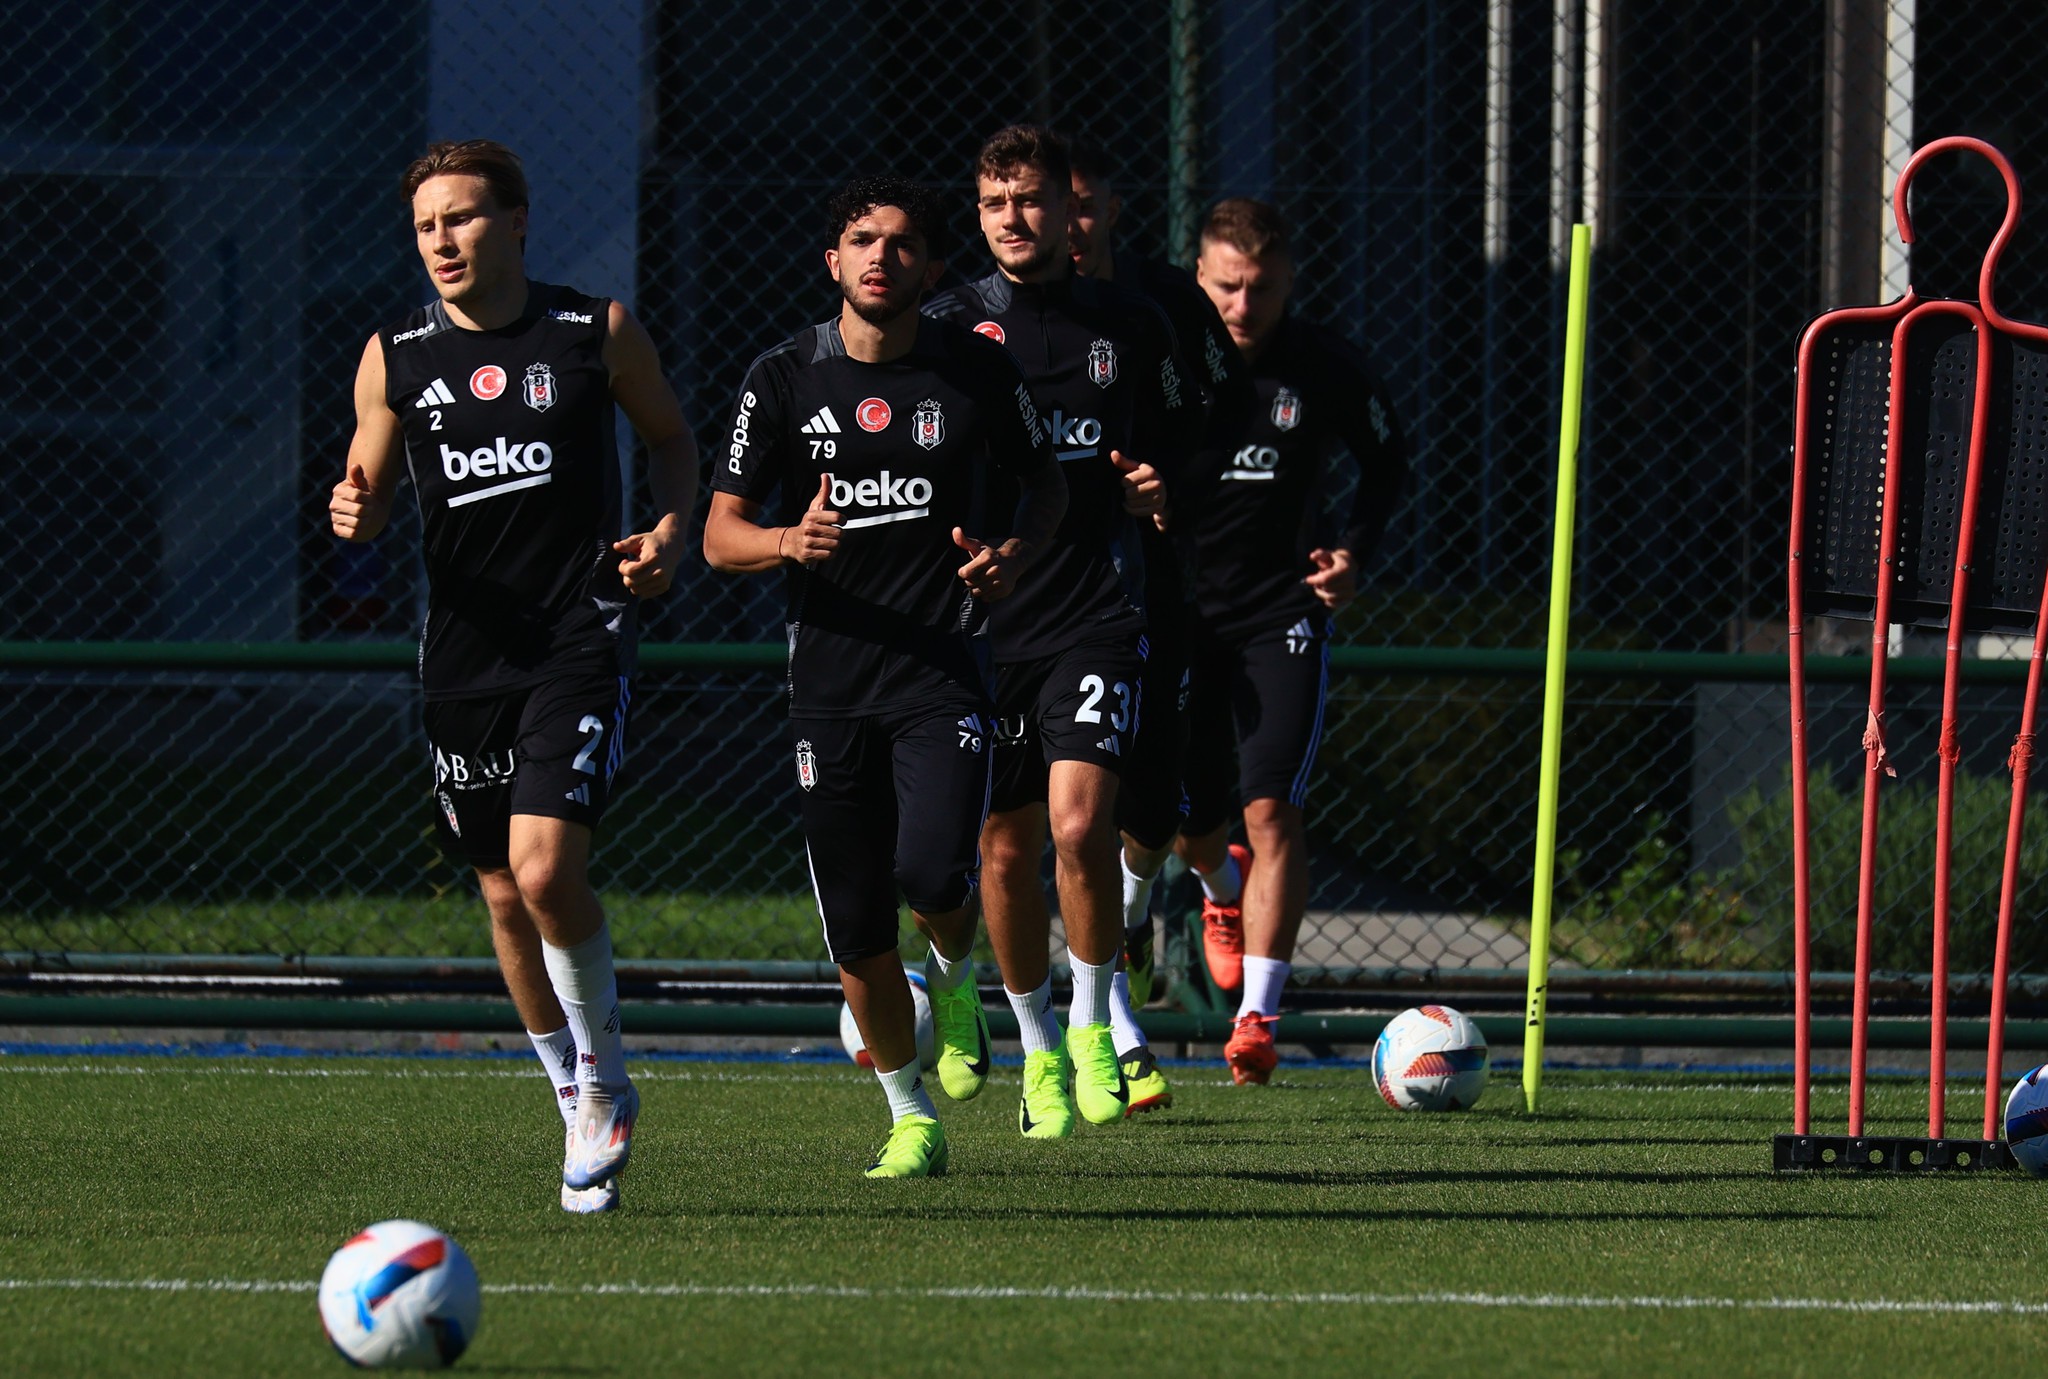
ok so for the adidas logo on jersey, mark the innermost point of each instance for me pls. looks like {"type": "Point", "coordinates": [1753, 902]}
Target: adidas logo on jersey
{"type": "Point", "coordinates": [823, 424]}
{"type": "Point", "coordinates": [580, 795]}
{"type": "Point", "coordinates": [436, 395]}
{"type": "Point", "coordinates": [1112, 745]}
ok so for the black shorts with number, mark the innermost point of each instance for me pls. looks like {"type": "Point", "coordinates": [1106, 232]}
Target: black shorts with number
{"type": "Point", "coordinates": [549, 749]}
{"type": "Point", "coordinates": [889, 802]}
{"type": "Point", "coordinates": [1266, 693]}
{"type": "Point", "coordinates": [1080, 704]}
{"type": "Point", "coordinates": [1151, 801]}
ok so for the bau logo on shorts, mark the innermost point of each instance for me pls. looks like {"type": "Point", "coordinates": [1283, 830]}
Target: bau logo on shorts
{"type": "Point", "coordinates": [905, 497]}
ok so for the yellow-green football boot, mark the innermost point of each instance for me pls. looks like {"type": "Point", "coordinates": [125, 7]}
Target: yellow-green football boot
{"type": "Point", "coordinates": [1138, 964]}
{"type": "Point", "coordinates": [916, 1148]}
{"type": "Point", "coordinates": [960, 1030]}
{"type": "Point", "coordinates": [1047, 1110]}
{"type": "Point", "coordinates": [1147, 1085]}
{"type": "Point", "coordinates": [1099, 1091]}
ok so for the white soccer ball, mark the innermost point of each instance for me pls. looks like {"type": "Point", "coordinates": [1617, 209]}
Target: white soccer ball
{"type": "Point", "coordinates": [2026, 1122]}
{"type": "Point", "coordinates": [1430, 1058]}
{"type": "Point", "coordinates": [920, 996]}
{"type": "Point", "coordinates": [400, 1295]}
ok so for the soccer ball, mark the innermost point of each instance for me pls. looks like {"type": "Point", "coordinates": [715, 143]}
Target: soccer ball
{"type": "Point", "coordinates": [920, 996]}
{"type": "Point", "coordinates": [400, 1295]}
{"type": "Point", "coordinates": [2026, 1122]}
{"type": "Point", "coordinates": [1430, 1059]}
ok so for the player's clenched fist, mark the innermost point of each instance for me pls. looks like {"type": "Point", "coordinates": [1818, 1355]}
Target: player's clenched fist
{"type": "Point", "coordinates": [650, 563]}
{"type": "Point", "coordinates": [1144, 490]}
{"type": "Point", "coordinates": [1334, 580]}
{"type": "Point", "coordinates": [816, 537]}
{"type": "Point", "coordinates": [356, 511]}
{"type": "Point", "coordinates": [990, 571]}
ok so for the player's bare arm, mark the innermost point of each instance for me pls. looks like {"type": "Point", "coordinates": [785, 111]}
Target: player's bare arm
{"type": "Point", "coordinates": [643, 394]}
{"type": "Point", "coordinates": [736, 542]}
{"type": "Point", "coordinates": [360, 504]}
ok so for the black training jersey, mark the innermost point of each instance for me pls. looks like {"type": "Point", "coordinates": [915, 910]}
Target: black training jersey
{"type": "Point", "coordinates": [1261, 506]}
{"type": "Point", "coordinates": [905, 448]}
{"type": "Point", "coordinates": [509, 439]}
{"type": "Point", "coordinates": [1225, 380]}
{"type": "Point", "coordinates": [1100, 359]}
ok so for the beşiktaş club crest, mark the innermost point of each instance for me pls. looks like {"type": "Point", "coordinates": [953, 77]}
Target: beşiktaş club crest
{"type": "Point", "coordinates": [1287, 409]}
{"type": "Point", "coordinates": [1102, 363]}
{"type": "Point", "coordinates": [540, 387]}
{"type": "Point", "coordinates": [806, 765]}
{"type": "Point", "coordinates": [927, 424]}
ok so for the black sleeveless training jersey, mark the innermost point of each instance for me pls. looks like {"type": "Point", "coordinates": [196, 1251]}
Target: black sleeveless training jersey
{"type": "Point", "coordinates": [908, 446]}
{"type": "Point", "coordinates": [1100, 359]}
{"type": "Point", "coordinates": [511, 445]}
{"type": "Point", "coordinates": [1260, 505]}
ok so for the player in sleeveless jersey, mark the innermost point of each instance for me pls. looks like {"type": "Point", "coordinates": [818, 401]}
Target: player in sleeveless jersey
{"type": "Point", "coordinates": [497, 401]}
{"type": "Point", "coordinates": [1150, 814]}
{"type": "Point", "coordinates": [885, 431]}
{"type": "Point", "coordinates": [1069, 650]}
{"type": "Point", "coordinates": [1267, 581]}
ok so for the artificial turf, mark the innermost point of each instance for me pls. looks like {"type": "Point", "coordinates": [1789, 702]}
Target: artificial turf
{"type": "Point", "coordinates": [1300, 1228]}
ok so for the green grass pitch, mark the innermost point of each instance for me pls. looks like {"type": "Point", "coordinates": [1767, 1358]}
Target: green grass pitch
{"type": "Point", "coordinates": [1297, 1229]}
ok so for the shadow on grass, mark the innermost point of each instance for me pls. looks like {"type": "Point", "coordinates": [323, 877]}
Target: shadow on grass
{"type": "Point", "coordinates": [1416, 1177]}
{"type": "Point", "coordinates": [1011, 1212]}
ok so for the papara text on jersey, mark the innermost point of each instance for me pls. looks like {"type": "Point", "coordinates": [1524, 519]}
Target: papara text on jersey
{"type": "Point", "coordinates": [487, 462]}
{"type": "Point", "coordinates": [738, 448]}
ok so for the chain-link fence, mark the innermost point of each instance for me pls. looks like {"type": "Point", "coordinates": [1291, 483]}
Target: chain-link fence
{"type": "Point", "coordinates": [204, 226]}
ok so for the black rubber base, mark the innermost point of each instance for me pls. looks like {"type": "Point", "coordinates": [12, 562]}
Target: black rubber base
{"type": "Point", "coordinates": [1887, 1154]}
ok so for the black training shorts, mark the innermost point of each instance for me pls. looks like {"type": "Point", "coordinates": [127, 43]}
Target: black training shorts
{"type": "Point", "coordinates": [549, 749]}
{"type": "Point", "coordinates": [1266, 694]}
{"type": "Point", "coordinates": [1080, 704]}
{"type": "Point", "coordinates": [1150, 802]}
{"type": "Point", "coordinates": [889, 802]}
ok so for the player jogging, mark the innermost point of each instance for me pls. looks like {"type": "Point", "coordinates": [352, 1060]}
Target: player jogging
{"type": "Point", "coordinates": [1266, 582]}
{"type": "Point", "coordinates": [497, 399]}
{"type": "Point", "coordinates": [887, 434]}
{"type": "Point", "coordinates": [1069, 650]}
{"type": "Point", "coordinates": [1151, 813]}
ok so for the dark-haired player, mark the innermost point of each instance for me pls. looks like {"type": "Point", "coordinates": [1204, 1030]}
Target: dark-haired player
{"type": "Point", "coordinates": [1069, 650]}
{"type": "Point", "coordinates": [1267, 580]}
{"type": "Point", "coordinates": [1151, 813]}
{"type": "Point", "coordinates": [497, 399]}
{"type": "Point", "coordinates": [886, 432]}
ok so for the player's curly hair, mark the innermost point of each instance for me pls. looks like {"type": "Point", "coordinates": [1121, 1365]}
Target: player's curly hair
{"type": "Point", "coordinates": [1026, 146]}
{"type": "Point", "coordinates": [1253, 228]}
{"type": "Point", "coordinates": [861, 195]}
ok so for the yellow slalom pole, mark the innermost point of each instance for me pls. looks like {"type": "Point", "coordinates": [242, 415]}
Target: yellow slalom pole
{"type": "Point", "coordinates": [1553, 677]}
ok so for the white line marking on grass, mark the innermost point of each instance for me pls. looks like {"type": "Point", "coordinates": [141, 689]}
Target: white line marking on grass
{"type": "Point", "coordinates": [1542, 1301]}
{"type": "Point", "coordinates": [523, 1075]}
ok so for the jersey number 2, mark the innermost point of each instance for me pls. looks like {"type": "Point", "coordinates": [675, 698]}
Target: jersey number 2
{"type": "Point", "coordinates": [586, 760]}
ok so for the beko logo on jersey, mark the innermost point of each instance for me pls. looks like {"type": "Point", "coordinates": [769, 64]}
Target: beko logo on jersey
{"type": "Point", "coordinates": [490, 461]}
{"type": "Point", "coordinates": [910, 496]}
{"type": "Point", "coordinates": [738, 449]}
{"type": "Point", "coordinates": [1253, 462]}
{"type": "Point", "coordinates": [1076, 438]}
{"type": "Point", "coordinates": [415, 333]}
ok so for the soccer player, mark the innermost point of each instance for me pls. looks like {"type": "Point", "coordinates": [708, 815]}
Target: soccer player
{"type": "Point", "coordinates": [1267, 581]}
{"type": "Point", "coordinates": [1151, 815]}
{"type": "Point", "coordinates": [497, 400]}
{"type": "Point", "coordinates": [1069, 650]}
{"type": "Point", "coordinates": [886, 433]}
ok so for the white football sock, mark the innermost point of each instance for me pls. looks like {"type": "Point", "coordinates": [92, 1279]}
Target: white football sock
{"type": "Point", "coordinates": [1037, 1026]}
{"type": "Point", "coordinates": [1225, 884]}
{"type": "Point", "coordinates": [906, 1093]}
{"type": "Point", "coordinates": [1123, 1021]}
{"type": "Point", "coordinates": [941, 974]}
{"type": "Point", "coordinates": [1263, 979]}
{"type": "Point", "coordinates": [558, 1057]}
{"type": "Point", "coordinates": [589, 993]}
{"type": "Point", "coordinates": [1091, 991]}
{"type": "Point", "coordinates": [1137, 897]}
